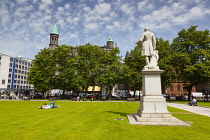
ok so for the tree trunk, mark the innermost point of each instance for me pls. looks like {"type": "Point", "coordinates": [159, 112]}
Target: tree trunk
{"type": "Point", "coordinates": [134, 94]}
{"type": "Point", "coordinates": [189, 91]}
{"type": "Point", "coordinates": [93, 89]}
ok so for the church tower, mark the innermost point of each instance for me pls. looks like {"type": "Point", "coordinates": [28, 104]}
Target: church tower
{"type": "Point", "coordinates": [54, 38]}
{"type": "Point", "coordinates": [110, 43]}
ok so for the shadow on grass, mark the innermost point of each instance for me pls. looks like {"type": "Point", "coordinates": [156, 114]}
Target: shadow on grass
{"type": "Point", "coordinates": [120, 113]}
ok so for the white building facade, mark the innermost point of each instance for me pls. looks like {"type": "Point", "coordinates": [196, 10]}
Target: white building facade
{"type": "Point", "coordinates": [13, 72]}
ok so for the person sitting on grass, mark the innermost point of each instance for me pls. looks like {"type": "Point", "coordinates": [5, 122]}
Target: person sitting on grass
{"type": "Point", "coordinates": [46, 106]}
{"type": "Point", "coordinates": [193, 102]}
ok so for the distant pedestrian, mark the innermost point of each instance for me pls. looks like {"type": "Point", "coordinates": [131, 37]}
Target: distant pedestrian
{"type": "Point", "coordinates": [78, 98]}
{"type": "Point", "coordinates": [193, 102]}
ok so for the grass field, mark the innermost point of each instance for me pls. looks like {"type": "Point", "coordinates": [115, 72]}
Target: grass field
{"type": "Point", "coordinates": [22, 120]}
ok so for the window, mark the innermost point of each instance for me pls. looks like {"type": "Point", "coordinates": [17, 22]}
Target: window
{"type": "Point", "coordinates": [9, 75]}
{"type": "Point", "coordinates": [178, 87]}
{"type": "Point", "coordinates": [10, 70]}
{"type": "Point", "coordinates": [11, 59]}
{"type": "Point", "coordinates": [9, 81]}
{"type": "Point", "coordinates": [3, 81]}
{"type": "Point", "coordinates": [10, 64]}
{"type": "Point", "coordinates": [0, 57]}
{"type": "Point", "coordinates": [15, 76]}
{"type": "Point", "coordinates": [171, 88]}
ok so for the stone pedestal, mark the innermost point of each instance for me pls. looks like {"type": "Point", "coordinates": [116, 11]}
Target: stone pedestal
{"type": "Point", "coordinates": [153, 108]}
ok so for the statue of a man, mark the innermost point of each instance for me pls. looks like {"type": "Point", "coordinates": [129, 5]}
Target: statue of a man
{"type": "Point", "coordinates": [148, 43]}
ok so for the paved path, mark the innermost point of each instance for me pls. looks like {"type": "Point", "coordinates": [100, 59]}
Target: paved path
{"type": "Point", "coordinates": [195, 109]}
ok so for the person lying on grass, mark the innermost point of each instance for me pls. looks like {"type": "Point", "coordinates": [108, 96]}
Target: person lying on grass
{"type": "Point", "coordinates": [46, 106]}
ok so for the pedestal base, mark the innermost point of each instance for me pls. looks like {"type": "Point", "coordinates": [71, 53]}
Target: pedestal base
{"type": "Point", "coordinates": [153, 108]}
{"type": "Point", "coordinates": [135, 119]}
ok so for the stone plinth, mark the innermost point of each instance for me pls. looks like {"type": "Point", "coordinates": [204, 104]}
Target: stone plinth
{"type": "Point", "coordinates": [153, 108]}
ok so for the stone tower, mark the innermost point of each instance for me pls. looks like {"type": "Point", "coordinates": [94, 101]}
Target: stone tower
{"type": "Point", "coordinates": [54, 38]}
{"type": "Point", "coordinates": [110, 43]}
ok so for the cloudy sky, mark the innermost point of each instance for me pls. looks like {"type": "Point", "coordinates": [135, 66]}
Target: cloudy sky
{"type": "Point", "coordinates": [25, 25]}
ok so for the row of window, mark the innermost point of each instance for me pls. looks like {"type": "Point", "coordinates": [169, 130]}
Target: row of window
{"type": "Point", "coordinates": [18, 71]}
{"type": "Point", "coordinates": [17, 76]}
{"type": "Point", "coordinates": [20, 87]}
{"type": "Point", "coordinates": [178, 88]}
{"type": "Point", "coordinates": [20, 66]}
{"type": "Point", "coordinates": [20, 61]}
{"type": "Point", "coordinates": [18, 81]}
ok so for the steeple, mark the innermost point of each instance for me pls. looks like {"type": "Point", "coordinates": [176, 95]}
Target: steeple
{"type": "Point", "coordinates": [110, 43]}
{"type": "Point", "coordinates": [54, 37]}
{"type": "Point", "coordinates": [54, 30]}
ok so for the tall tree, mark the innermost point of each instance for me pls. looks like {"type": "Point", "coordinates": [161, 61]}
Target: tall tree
{"type": "Point", "coordinates": [191, 58]}
{"type": "Point", "coordinates": [42, 71]}
{"type": "Point", "coordinates": [110, 66]}
{"type": "Point", "coordinates": [66, 74]}
{"type": "Point", "coordinates": [134, 64]}
{"type": "Point", "coordinates": [165, 63]}
{"type": "Point", "coordinates": [88, 65]}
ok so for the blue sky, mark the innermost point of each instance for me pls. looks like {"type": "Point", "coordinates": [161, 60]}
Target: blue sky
{"type": "Point", "coordinates": [25, 25]}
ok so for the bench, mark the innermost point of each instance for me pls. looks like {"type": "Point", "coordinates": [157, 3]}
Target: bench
{"type": "Point", "coordinates": [130, 99]}
{"type": "Point", "coordinates": [74, 99]}
{"type": "Point", "coordinates": [53, 98]}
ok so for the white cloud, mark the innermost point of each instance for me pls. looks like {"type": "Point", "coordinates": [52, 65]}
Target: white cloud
{"type": "Point", "coordinates": [75, 19]}
{"type": "Point", "coordinates": [126, 8]}
{"type": "Point", "coordinates": [100, 1]}
{"type": "Point", "coordinates": [103, 8]}
{"type": "Point", "coordinates": [145, 6]}
{"type": "Point", "coordinates": [193, 14]}
{"type": "Point", "coordinates": [34, 1]}
{"type": "Point", "coordinates": [61, 9]}
{"type": "Point", "coordinates": [45, 3]}
{"type": "Point", "coordinates": [74, 35]}
{"type": "Point", "coordinates": [107, 18]}
{"type": "Point", "coordinates": [141, 5]}
{"type": "Point", "coordinates": [91, 26]}
{"type": "Point", "coordinates": [21, 1]}
{"type": "Point", "coordinates": [86, 9]}
{"type": "Point", "coordinates": [67, 6]}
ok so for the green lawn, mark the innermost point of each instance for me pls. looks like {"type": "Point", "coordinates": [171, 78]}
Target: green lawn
{"type": "Point", "coordinates": [22, 120]}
